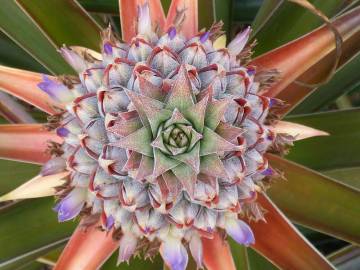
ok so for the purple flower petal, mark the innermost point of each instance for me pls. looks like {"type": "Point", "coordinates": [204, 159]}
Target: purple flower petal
{"type": "Point", "coordinates": [204, 37]}
{"type": "Point", "coordinates": [239, 231]}
{"type": "Point", "coordinates": [174, 254]}
{"type": "Point", "coordinates": [55, 90]}
{"type": "Point", "coordinates": [62, 132]}
{"type": "Point", "coordinates": [172, 32]}
{"type": "Point", "coordinates": [110, 221]}
{"type": "Point", "coordinates": [107, 48]}
{"type": "Point", "coordinates": [70, 206]}
{"type": "Point", "coordinates": [267, 172]}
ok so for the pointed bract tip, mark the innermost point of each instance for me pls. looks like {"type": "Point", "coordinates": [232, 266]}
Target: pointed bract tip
{"type": "Point", "coordinates": [239, 231]}
{"type": "Point", "coordinates": [174, 254]}
{"type": "Point", "coordinates": [239, 42]}
{"type": "Point", "coordinates": [127, 248]}
{"type": "Point", "coordinates": [70, 206]}
{"type": "Point", "coordinates": [144, 19]}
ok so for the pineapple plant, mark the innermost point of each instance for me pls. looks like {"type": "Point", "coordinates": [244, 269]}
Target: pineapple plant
{"type": "Point", "coordinates": [168, 139]}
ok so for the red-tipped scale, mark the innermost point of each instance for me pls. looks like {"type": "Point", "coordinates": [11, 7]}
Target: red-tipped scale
{"type": "Point", "coordinates": [279, 241]}
{"type": "Point", "coordinates": [23, 85]}
{"type": "Point", "coordinates": [217, 254]}
{"type": "Point", "coordinates": [294, 58]}
{"type": "Point", "coordinates": [129, 14]}
{"type": "Point", "coordinates": [189, 26]}
{"type": "Point", "coordinates": [87, 249]}
{"type": "Point", "coordinates": [26, 142]}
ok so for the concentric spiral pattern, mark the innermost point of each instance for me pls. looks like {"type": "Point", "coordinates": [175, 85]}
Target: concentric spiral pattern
{"type": "Point", "coordinates": [164, 138]}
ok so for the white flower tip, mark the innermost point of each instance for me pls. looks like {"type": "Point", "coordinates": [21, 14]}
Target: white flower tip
{"type": "Point", "coordinates": [299, 132]}
{"type": "Point", "coordinates": [239, 231]}
{"type": "Point", "coordinates": [239, 42]}
{"type": "Point", "coordinates": [174, 254]}
{"type": "Point", "coordinates": [144, 19]}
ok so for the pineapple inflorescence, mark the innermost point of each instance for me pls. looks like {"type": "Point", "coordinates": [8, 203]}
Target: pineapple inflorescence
{"type": "Point", "coordinates": [164, 138]}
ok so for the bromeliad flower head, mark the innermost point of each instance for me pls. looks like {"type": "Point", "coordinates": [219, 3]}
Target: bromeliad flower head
{"type": "Point", "coordinates": [164, 138]}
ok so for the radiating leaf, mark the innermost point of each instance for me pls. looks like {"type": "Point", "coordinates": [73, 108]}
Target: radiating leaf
{"type": "Point", "coordinates": [27, 226]}
{"type": "Point", "coordinates": [13, 174]}
{"type": "Point", "coordinates": [190, 24]}
{"type": "Point", "coordinates": [284, 21]}
{"type": "Point", "coordinates": [21, 29]}
{"type": "Point", "coordinates": [316, 201]}
{"type": "Point", "coordinates": [248, 259]}
{"type": "Point", "coordinates": [348, 176]}
{"type": "Point", "coordinates": [87, 249]}
{"type": "Point", "coordinates": [39, 186]}
{"type": "Point", "coordinates": [344, 81]}
{"type": "Point", "coordinates": [13, 56]}
{"type": "Point", "coordinates": [294, 58]}
{"type": "Point", "coordinates": [13, 111]}
{"type": "Point", "coordinates": [26, 142]}
{"type": "Point", "coordinates": [74, 27]}
{"type": "Point", "coordinates": [23, 85]}
{"type": "Point", "coordinates": [217, 254]}
{"type": "Point", "coordinates": [340, 149]}
{"type": "Point", "coordinates": [299, 132]}
{"type": "Point", "coordinates": [347, 258]}
{"type": "Point", "coordinates": [280, 242]}
{"type": "Point", "coordinates": [135, 263]}
{"type": "Point", "coordinates": [129, 15]}
{"type": "Point", "coordinates": [101, 6]}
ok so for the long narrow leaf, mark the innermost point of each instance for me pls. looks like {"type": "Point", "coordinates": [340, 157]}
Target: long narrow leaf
{"type": "Point", "coordinates": [280, 21]}
{"type": "Point", "coordinates": [27, 228]}
{"type": "Point", "coordinates": [23, 84]}
{"type": "Point", "coordinates": [13, 111]}
{"type": "Point", "coordinates": [294, 58]}
{"type": "Point", "coordinates": [344, 81]}
{"type": "Point", "coordinates": [12, 55]}
{"type": "Point", "coordinates": [316, 201]}
{"type": "Point", "coordinates": [75, 27]}
{"type": "Point", "coordinates": [217, 254]}
{"type": "Point", "coordinates": [20, 28]}
{"type": "Point", "coordinates": [347, 176]}
{"type": "Point", "coordinates": [87, 249]}
{"type": "Point", "coordinates": [128, 16]}
{"type": "Point", "coordinates": [39, 186]}
{"type": "Point", "coordinates": [280, 242]}
{"type": "Point", "coordinates": [190, 24]}
{"type": "Point", "coordinates": [26, 143]}
{"type": "Point", "coordinates": [339, 150]}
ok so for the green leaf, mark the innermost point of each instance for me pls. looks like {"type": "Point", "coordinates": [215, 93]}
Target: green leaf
{"type": "Point", "coordinates": [340, 149]}
{"type": "Point", "coordinates": [13, 56]}
{"type": "Point", "coordinates": [135, 263]}
{"type": "Point", "coordinates": [15, 24]}
{"type": "Point", "coordinates": [289, 21]}
{"type": "Point", "coordinates": [101, 6]}
{"type": "Point", "coordinates": [347, 258]}
{"type": "Point", "coordinates": [344, 81]}
{"type": "Point", "coordinates": [247, 258]}
{"type": "Point", "coordinates": [348, 176]}
{"type": "Point", "coordinates": [72, 27]}
{"type": "Point", "coordinates": [316, 201]}
{"type": "Point", "coordinates": [27, 226]}
{"type": "Point", "coordinates": [13, 174]}
{"type": "Point", "coordinates": [267, 9]}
